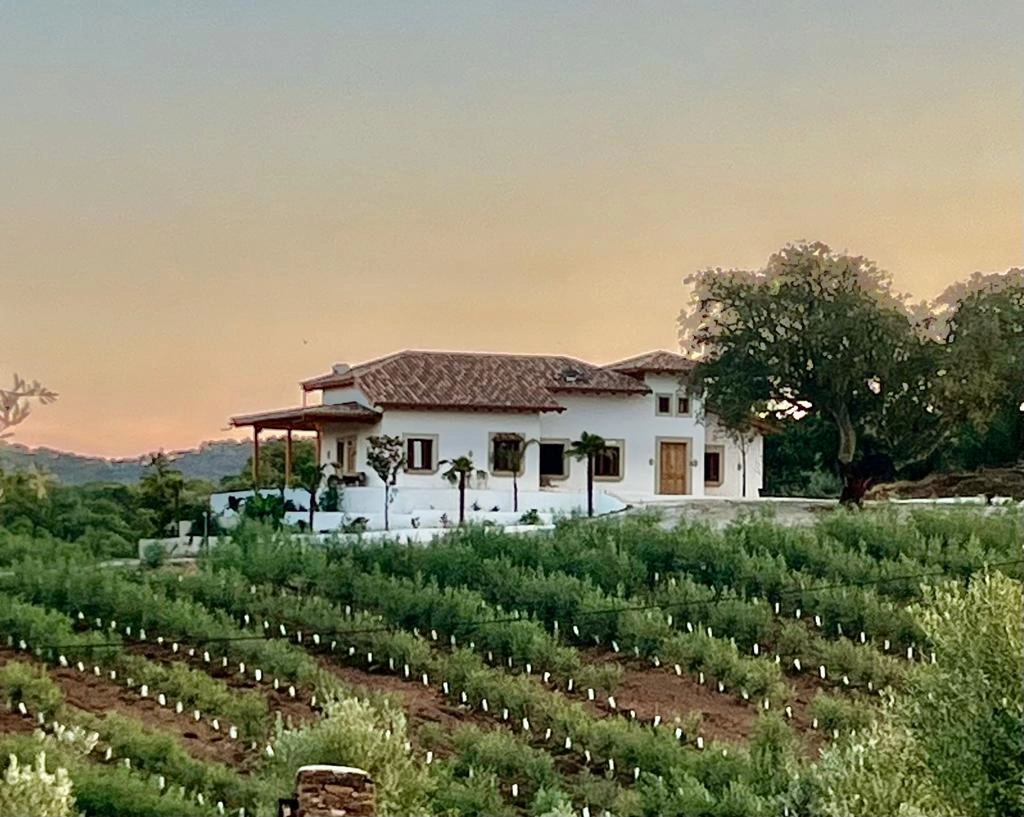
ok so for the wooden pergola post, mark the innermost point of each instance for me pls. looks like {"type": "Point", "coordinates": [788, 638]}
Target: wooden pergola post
{"type": "Point", "coordinates": [288, 459]}
{"type": "Point", "coordinates": [256, 457]}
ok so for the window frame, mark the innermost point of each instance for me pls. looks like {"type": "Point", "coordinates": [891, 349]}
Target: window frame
{"type": "Point", "coordinates": [434, 458]}
{"type": "Point", "coordinates": [566, 459]}
{"type": "Point", "coordinates": [720, 451]}
{"type": "Point", "coordinates": [689, 407]}
{"type": "Point", "coordinates": [504, 436]}
{"type": "Point", "coordinates": [342, 456]}
{"type": "Point", "coordinates": [657, 404]}
{"type": "Point", "coordinates": [621, 446]}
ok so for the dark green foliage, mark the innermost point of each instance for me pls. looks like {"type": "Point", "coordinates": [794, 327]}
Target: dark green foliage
{"type": "Point", "coordinates": [106, 519]}
{"type": "Point", "coordinates": [267, 509]}
{"type": "Point", "coordinates": [272, 462]}
{"type": "Point", "coordinates": [111, 791]}
{"type": "Point", "coordinates": [21, 682]}
{"type": "Point", "coordinates": [330, 499]}
{"type": "Point", "coordinates": [798, 456]}
{"type": "Point", "coordinates": [462, 796]}
{"type": "Point", "coordinates": [531, 517]}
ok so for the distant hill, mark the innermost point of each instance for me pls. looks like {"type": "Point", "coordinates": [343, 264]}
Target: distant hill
{"type": "Point", "coordinates": [211, 460]}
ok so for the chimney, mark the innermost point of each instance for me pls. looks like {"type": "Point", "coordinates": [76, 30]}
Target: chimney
{"type": "Point", "coordinates": [340, 368]}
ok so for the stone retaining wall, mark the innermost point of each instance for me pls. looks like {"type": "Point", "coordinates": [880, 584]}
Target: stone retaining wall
{"type": "Point", "coordinates": [334, 791]}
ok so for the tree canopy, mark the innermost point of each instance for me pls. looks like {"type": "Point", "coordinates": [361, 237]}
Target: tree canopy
{"type": "Point", "coordinates": [981, 322]}
{"type": "Point", "coordinates": [272, 463]}
{"type": "Point", "coordinates": [816, 332]}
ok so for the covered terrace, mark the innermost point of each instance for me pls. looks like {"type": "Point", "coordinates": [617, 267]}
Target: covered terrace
{"type": "Point", "coordinates": [302, 418]}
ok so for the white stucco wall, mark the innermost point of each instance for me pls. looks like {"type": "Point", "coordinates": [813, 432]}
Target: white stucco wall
{"type": "Point", "coordinates": [460, 433]}
{"type": "Point", "coordinates": [349, 394]}
{"type": "Point", "coordinates": [330, 435]}
{"type": "Point", "coordinates": [633, 419]}
{"type": "Point", "coordinates": [733, 464]}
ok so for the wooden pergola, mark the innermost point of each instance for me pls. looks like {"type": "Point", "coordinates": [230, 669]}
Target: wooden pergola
{"type": "Point", "coordinates": [302, 418]}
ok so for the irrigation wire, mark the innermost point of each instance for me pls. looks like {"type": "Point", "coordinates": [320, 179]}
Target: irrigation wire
{"type": "Point", "coordinates": [472, 624]}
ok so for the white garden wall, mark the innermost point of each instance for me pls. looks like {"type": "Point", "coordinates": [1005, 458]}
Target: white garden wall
{"type": "Point", "coordinates": [427, 505]}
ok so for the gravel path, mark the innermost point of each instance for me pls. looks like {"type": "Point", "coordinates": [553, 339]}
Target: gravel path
{"type": "Point", "coordinates": [720, 512]}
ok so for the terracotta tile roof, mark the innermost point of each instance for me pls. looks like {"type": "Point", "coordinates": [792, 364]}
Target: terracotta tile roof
{"type": "Point", "coordinates": [656, 361]}
{"type": "Point", "coordinates": [304, 418]}
{"type": "Point", "coordinates": [472, 380]}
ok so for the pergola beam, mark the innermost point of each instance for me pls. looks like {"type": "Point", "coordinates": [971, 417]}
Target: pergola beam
{"type": "Point", "coordinates": [256, 457]}
{"type": "Point", "coordinates": [288, 459]}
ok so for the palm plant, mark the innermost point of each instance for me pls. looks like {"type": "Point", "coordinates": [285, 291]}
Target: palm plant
{"type": "Point", "coordinates": [458, 471]}
{"type": "Point", "coordinates": [515, 456]}
{"type": "Point", "coordinates": [587, 447]}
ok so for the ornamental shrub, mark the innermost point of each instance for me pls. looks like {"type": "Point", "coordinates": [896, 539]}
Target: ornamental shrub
{"type": "Point", "coordinates": [354, 733]}
{"type": "Point", "coordinates": [32, 791]}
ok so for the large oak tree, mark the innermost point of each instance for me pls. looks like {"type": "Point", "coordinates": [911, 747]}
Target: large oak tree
{"type": "Point", "coordinates": [817, 332]}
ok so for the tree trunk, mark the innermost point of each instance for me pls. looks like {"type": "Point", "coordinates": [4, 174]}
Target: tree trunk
{"type": "Point", "coordinates": [312, 508]}
{"type": "Point", "coordinates": [590, 484]}
{"type": "Point", "coordinates": [462, 497]}
{"type": "Point", "coordinates": [854, 486]}
{"type": "Point", "coordinates": [743, 464]}
{"type": "Point", "coordinates": [387, 501]}
{"type": "Point", "coordinates": [515, 492]}
{"type": "Point", "coordinates": [847, 435]}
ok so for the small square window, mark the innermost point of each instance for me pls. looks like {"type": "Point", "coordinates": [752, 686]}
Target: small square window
{"type": "Point", "coordinates": [420, 454]}
{"type": "Point", "coordinates": [608, 464]}
{"type": "Point", "coordinates": [713, 466]}
{"type": "Point", "coordinates": [507, 454]}
{"type": "Point", "coordinates": [553, 461]}
{"type": "Point", "coordinates": [664, 404]}
{"type": "Point", "coordinates": [682, 406]}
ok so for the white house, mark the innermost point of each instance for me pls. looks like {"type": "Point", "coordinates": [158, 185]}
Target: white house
{"type": "Point", "coordinates": [660, 443]}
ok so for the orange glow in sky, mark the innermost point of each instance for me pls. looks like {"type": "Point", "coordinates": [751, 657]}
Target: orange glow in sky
{"type": "Point", "coordinates": [202, 204]}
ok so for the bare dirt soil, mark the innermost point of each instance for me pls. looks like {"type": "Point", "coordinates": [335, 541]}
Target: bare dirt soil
{"type": "Point", "coordinates": [986, 482]}
{"type": "Point", "coordinates": [100, 696]}
{"type": "Point", "coordinates": [14, 723]}
{"type": "Point", "coordinates": [294, 711]}
{"type": "Point", "coordinates": [803, 691]}
{"type": "Point", "coordinates": [649, 692]}
{"type": "Point", "coordinates": [673, 697]}
{"type": "Point", "coordinates": [723, 717]}
{"type": "Point", "coordinates": [422, 704]}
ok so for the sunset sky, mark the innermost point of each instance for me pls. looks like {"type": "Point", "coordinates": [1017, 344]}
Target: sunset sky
{"type": "Point", "coordinates": [202, 203]}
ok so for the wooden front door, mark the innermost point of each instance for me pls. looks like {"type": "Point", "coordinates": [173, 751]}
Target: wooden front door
{"type": "Point", "coordinates": [674, 466]}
